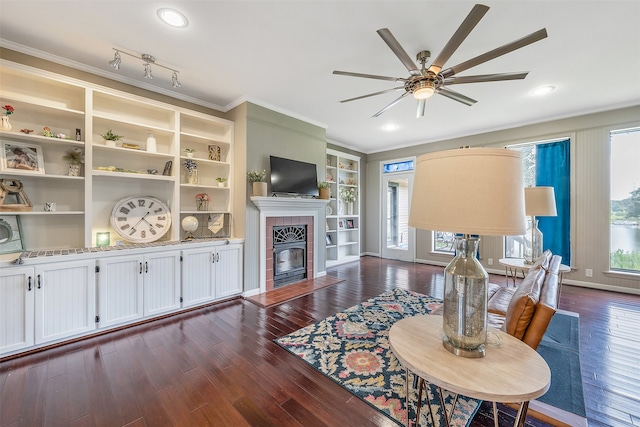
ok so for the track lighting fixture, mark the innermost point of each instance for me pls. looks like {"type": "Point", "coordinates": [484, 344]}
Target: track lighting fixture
{"type": "Point", "coordinates": [147, 60]}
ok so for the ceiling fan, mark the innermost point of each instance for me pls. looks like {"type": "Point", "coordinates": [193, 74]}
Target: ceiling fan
{"type": "Point", "coordinates": [424, 82]}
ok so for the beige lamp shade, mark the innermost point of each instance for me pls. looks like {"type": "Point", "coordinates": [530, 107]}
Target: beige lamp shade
{"type": "Point", "coordinates": [469, 191]}
{"type": "Point", "coordinates": [540, 201]}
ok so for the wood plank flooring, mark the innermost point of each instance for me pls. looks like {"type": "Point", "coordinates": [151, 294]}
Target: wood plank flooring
{"type": "Point", "coordinates": [218, 366]}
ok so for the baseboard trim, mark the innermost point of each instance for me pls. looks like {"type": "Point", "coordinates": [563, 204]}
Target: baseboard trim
{"type": "Point", "coordinates": [552, 415]}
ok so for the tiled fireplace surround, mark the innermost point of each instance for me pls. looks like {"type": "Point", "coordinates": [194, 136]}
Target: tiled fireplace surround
{"type": "Point", "coordinates": [275, 221]}
{"type": "Point", "coordinates": [276, 211]}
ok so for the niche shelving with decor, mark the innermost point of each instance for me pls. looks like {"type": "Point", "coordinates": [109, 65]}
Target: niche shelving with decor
{"type": "Point", "coordinates": [109, 173]}
{"type": "Point", "coordinates": [343, 174]}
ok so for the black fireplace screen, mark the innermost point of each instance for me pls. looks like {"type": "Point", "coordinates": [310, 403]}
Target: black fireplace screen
{"type": "Point", "coordinates": [289, 254]}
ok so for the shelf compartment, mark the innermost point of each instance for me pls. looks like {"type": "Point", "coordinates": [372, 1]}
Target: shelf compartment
{"type": "Point", "coordinates": [193, 127]}
{"type": "Point", "coordinates": [133, 133]}
{"type": "Point", "coordinates": [128, 175]}
{"type": "Point", "coordinates": [36, 117]}
{"type": "Point", "coordinates": [130, 111]}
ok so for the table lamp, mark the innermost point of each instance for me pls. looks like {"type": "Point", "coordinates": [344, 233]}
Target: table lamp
{"type": "Point", "coordinates": [470, 191]}
{"type": "Point", "coordinates": [538, 201]}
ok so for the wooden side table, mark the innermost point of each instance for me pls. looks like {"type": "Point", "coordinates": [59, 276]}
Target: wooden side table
{"type": "Point", "coordinates": [511, 371]}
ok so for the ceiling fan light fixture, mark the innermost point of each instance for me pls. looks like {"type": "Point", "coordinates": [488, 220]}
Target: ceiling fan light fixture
{"type": "Point", "coordinates": [424, 89]}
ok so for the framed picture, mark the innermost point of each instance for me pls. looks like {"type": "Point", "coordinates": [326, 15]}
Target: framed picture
{"type": "Point", "coordinates": [342, 224]}
{"type": "Point", "coordinates": [329, 240]}
{"type": "Point", "coordinates": [350, 223]}
{"type": "Point", "coordinates": [18, 156]}
{"type": "Point", "coordinates": [10, 234]}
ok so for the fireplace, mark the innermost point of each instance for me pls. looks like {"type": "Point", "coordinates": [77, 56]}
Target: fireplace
{"type": "Point", "coordinates": [289, 254]}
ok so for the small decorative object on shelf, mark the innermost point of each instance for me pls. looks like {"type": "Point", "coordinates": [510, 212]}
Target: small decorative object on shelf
{"type": "Point", "coordinates": [214, 152]}
{"type": "Point", "coordinates": [110, 138]}
{"type": "Point", "coordinates": [192, 171]}
{"type": "Point", "coordinates": [8, 110]}
{"type": "Point", "coordinates": [103, 238]}
{"type": "Point", "coordinates": [190, 152]}
{"type": "Point", "coordinates": [202, 202]}
{"type": "Point", "coordinates": [50, 206]}
{"type": "Point", "coordinates": [221, 181]}
{"type": "Point", "coordinates": [349, 196]}
{"type": "Point", "coordinates": [189, 224]}
{"type": "Point", "coordinates": [151, 143]}
{"type": "Point", "coordinates": [27, 131]}
{"type": "Point", "coordinates": [78, 134]}
{"type": "Point", "coordinates": [257, 179]}
{"type": "Point", "coordinates": [325, 190]}
{"type": "Point", "coordinates": [75, 159]}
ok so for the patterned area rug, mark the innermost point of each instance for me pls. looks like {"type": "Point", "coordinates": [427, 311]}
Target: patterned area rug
{"type": "Point", "coordinates": [352, 348]}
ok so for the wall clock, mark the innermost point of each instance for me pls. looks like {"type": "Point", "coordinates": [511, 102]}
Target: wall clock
{"type": "Point", "coordinates": [140, 219]}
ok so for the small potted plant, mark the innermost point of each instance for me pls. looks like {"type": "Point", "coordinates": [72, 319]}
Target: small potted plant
{"type": "Point", "coordinates": [110, 138]}
{"type": "Point", "coordinates": [190, 152]}
{"type": "Point", "coordinates": [257, 178]}
{"type": "Point", "coordinates": [324, 189]}
{"type": "Point", "coordinates": [221, 181]}
{"type": "Point", "coordinates": [75, 159]}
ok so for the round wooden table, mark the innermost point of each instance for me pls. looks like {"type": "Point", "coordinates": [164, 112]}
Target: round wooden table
{"type": "Point", "coordinates": [513, 265]}
{"type": "Point", "coordinates": [511, 371]}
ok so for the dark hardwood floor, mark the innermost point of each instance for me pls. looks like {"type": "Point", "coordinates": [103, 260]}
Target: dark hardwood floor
{"type": "Point", "coordinates": [218, 366]}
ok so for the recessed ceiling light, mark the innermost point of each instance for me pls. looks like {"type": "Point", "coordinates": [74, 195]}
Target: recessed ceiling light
{"type": "Point", "coordinates": [543, 90]}
{"type": "Point", "coordinates": [389, 127]}
{"type": "Point", "coordinates": [172, 17]}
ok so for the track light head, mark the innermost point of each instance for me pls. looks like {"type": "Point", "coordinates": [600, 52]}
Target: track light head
{"type": "Point", "coordinates": [174, 80]}
{"type": "Point", "coordinates": [147, 71]}
{"type": "Point", "coordinates": [116, 61]}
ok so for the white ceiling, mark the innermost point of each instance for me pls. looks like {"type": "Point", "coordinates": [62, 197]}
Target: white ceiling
{"type": "Point", "coordinates": [281, 54]}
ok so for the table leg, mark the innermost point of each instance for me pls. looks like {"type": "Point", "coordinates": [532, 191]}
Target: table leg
{"type": "Point", "coordinates": [444, 408]}
{"type": "Point", "coordinates": [419, 403]}
{"type": "Point", "coordinates": [522, 415]}
{"type": "Point", "coordinates": [406, 393]}
{"type": "Point", "coordinates": [495, 414]}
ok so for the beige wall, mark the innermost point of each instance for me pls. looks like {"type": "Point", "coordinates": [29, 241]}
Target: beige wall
{"type": "Point", "coordinates": [589, 200]}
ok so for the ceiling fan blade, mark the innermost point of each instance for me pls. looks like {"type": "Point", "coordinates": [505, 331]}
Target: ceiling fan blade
{"type": "Point", "coordinates": [502, 50]}
{"type": "Point", "coordinates": [391, 41]}
{"type": "Point", "coordinates": [456, 96]}
{"type": "Point", "coordinates": [456, 40]}
{"type": "Point", "coordinates": [485, 78]}
{"type": "Point", "coordinates": [369, 76]}
{"type": "Point", "coordinates": [392, 104]}
{"type": "Point", "coordinates": [421, 106]}
{"type": "Point", "coordinates": [374, 94]}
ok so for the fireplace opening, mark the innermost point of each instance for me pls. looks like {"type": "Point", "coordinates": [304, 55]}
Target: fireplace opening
{"type": "Point", "coordinates": [289, 254]}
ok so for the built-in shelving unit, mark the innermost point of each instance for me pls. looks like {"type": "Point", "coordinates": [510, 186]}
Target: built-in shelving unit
{"type": "Point", "coordinates": [343, 218]}
{"type": "Point", "coordinates": [84, 203]}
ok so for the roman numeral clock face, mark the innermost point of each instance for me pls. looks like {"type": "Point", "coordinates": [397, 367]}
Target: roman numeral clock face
{"type": "Point", "coordinates": [140, 219]}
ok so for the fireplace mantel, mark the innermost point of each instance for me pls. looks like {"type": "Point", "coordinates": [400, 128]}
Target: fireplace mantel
{"type": "Point", "coordinates": [288, 207]}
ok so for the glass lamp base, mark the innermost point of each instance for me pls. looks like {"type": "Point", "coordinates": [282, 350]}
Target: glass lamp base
{"type": "Point", "coordinates": [475, 353]}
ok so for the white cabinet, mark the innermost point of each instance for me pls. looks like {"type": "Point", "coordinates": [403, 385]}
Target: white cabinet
{"type": "Point", "coordinates": [343, 215]}
{"type": "Point", "coordinates": [161, 283]}
{"type": "Point", "coordinates": [133, 287]}
{"type": "Point", "coordinates": [17, 296]}
{"type": "Point", "coordinates": [65, 298]}
{"type": "Point", "coordinates": [120, 281]}
{"type": "Point", "coordinates": [211, 273]}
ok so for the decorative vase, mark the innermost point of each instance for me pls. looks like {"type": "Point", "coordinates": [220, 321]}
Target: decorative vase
{"type": "Point", "coordinates": [532, 242]}
{"type": "Point", "coordinates": [189, 155]}
{"type": "Point", "coordinates": [202, 205]}
{"type": "Point", "coordinates": [349, 208]}
{"type": "Point", "coordinates": [260, 189]}
{"type": "Point", "coordinates": [5, 123]}
{"type": "Point", "coordinates": [151, 143]}
{"type": "Point", "coordinates": [465, 301]}
{"type": "Point", "coordinates": [192, 176]}
{"type": "Point", "coordinates": [221, 184]}
{"type": "Point", "coordinates": [109, 143]}
{"type": "Point", "coordinates": [74, 170]}
{"type": "Point", "coordinates": [325, 193]}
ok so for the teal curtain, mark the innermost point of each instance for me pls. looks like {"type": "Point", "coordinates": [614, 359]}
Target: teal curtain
{"type": "Point", "coordinates": [553, 166]}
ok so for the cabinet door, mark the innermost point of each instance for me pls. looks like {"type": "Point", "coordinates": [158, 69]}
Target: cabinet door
{"type": "Point", "coordinates": [120, 290]}
{"type": "Point", "coordinates": [65, 300]}
{"type": "Point", "coordinates": [228, 270]}
{"type": "Point", "coordinates": [161, 283]}
{"type": "Point", "coordinates": [16, 308]}
{"type": "Point", "coordinates": [197, 276]}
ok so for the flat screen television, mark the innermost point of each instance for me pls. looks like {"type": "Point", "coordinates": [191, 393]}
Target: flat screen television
{"type": "Point", "coordinates": [293, 177]}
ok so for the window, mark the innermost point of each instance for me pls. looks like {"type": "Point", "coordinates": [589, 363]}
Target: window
{"type": "Point", "coordinates": [625, 200]}
{"type": "Point", "coordinates": [402, 166]}
{"type": "Point", "coordinates": [547, 164]}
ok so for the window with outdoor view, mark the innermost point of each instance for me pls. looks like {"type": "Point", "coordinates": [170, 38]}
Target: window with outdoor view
{"type": "Point", "coordinates": [625, 200]}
